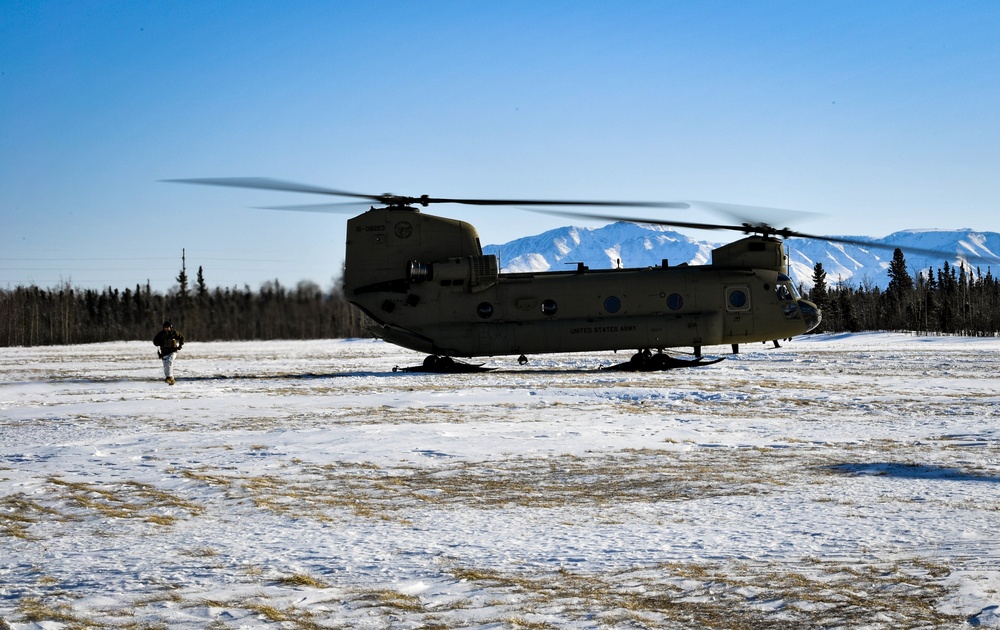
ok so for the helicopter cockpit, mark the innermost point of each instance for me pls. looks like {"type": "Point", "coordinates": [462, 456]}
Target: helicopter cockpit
{"type": "Point", "coordinates": [793, 305]}
{"type": "Point", "coordinates": [786, 290]}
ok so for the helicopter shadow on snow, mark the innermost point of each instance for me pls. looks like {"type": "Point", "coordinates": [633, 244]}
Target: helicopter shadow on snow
{"type": "Point", "coordinates": [309, 376]}
{"type": "Point", "coordinates": [208, 378]}
{"type": "Point", "coordinates": [913, 472]}
{"type": "Point", "coordinates": [397, 372]}
{"type": "Point", "coordinates": [271, 376]}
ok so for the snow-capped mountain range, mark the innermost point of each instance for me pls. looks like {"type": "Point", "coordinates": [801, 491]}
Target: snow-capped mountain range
{"type": "Point", "coordinates": [647, 245]}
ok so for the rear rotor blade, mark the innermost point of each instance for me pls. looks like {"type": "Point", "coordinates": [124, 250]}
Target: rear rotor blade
{"type": "Point", "coordinates": [863, 243]}
{"type": "Point", "coordinates": [756, 215]}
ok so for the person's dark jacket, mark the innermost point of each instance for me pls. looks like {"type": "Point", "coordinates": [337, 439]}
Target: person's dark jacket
{"type": "Point", "coordinates": [169, 341]}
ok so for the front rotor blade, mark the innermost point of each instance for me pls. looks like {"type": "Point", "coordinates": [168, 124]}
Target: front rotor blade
{"type": "Point", "coordinates": [680, 205]}
{"type": "Point", "coordinates": [266, 183]}
{"type": "Point", "coordinates": [329, 208]}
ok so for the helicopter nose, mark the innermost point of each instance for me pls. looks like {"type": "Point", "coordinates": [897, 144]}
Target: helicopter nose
{"type": "Point", "coordinates": [810, 314]}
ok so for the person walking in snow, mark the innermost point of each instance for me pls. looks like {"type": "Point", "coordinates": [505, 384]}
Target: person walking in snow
{"type": "Point", "coordinates": [169, 341]}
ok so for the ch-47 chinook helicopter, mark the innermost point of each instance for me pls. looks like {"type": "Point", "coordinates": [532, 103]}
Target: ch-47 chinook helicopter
{"type": "Point", "coordinates": [427, 286]}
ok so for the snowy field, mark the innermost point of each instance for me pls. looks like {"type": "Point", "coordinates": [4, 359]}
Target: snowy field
{"type": "Point", "coordinates": [839, 481]}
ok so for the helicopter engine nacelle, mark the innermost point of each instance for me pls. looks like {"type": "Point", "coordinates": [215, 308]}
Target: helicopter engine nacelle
{"type": "Point", "coordinates": [754, 252]}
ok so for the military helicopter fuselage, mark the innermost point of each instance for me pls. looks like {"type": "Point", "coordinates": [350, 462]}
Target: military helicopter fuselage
{"type": "Point", "coordinates": [427, 286]}
{"type": "Point", "coordinates": [424, 281]}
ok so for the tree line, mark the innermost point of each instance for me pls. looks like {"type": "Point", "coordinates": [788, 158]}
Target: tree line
{"type": "Point", "coordinates": [30, 316]}
{"type": "Point", "coordinates": [948, 300]}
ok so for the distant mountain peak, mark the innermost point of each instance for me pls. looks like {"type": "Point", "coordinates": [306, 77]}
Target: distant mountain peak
{"type": "Point", "coordinates": [649, 245]}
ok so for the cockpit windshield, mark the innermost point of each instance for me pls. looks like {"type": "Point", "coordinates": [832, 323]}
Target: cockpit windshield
{"type": "Point", "coordinates": [785, 289]}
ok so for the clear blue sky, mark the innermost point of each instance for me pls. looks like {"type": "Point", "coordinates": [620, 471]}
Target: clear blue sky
{"type": "Point", "coordinates": [880, 115]}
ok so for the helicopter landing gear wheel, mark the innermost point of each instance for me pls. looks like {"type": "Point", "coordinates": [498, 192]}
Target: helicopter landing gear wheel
{"type": "Point", "coordinates": [521, 360]}
{"type": "Point", "coordinates": [646, 361]}
{"type": "Point", "coordinates": [642, 356]}
{"type": "Point", "coordinates": [443, 365]}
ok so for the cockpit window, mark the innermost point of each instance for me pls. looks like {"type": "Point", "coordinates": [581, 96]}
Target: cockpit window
{"type": "Point", "coordinates": [785, 289]}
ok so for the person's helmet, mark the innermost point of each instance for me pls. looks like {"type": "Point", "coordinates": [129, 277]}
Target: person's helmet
{"type": "Point", "coordinates": [167, 325]}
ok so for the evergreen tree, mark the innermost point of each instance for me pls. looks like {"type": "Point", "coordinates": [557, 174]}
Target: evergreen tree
{"type": "Point", "coordinates": [182, 281]}
{"type": "Point", "coordinates": [899, 294]}
{"type": "Point", "coordinates": [202, 289]}
{"type": "Point", "coordinates": [900, 281]}
{"type": "Point", "coordinates": [819, 294]}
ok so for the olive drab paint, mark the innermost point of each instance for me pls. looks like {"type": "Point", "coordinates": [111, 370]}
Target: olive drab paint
{"type": "Point", "coordinates": [426, 283]}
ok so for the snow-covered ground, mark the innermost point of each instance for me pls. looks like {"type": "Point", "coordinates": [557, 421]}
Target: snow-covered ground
{"type": "Point", "coordinates": [848, 481]}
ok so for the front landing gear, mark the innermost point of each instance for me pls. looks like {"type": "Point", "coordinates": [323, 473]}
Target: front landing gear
{"type": "Point", "coordinates": [443, 365]}
{"type": "Point", "coordinates": [646, 361]}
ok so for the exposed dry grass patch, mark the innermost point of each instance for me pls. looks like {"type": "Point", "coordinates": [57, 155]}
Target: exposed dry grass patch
{"type": "Point", "coordinates": [327, 492]}
{"type": "Point", "coordinates": [301, 579]}
{"type": "Point", "coordinates": [734, 595]}
{"type": "Point", "coordinates": [126, 500]}
{"type": "Point", "coordinates": [17, 513]}
{"type": "Point", "coordinates": [289, 616]}
{"type": "Point", "coordinates": [390, 599]}
{"type": "Point", "coordinates": [36, 610]}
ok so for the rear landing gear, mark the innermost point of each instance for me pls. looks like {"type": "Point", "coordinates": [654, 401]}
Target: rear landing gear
{"type": "Point", "coordinates": [443, 365]}
{"type": "Point", "coordinates": [646, 361]}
